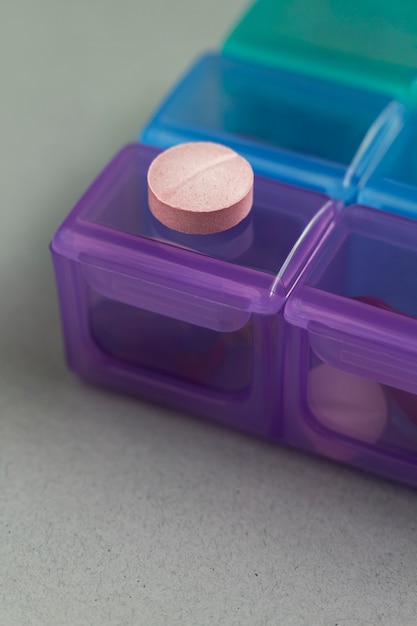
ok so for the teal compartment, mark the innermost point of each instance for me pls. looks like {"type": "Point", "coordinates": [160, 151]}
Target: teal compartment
{"type": "Point", "coordinates": [360, 43]}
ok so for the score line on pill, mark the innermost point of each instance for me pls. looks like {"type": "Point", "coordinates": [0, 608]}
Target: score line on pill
{"type": "Point", "coordinates": [200, 188]}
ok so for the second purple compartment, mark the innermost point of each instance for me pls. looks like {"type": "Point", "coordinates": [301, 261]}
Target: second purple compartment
{"type": "Point", "coordinates": [352, 359]}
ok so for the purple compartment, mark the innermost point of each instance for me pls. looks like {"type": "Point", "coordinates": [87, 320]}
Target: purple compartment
{"type": "Point", "coordinates": [191, 322]}
{"type": "Point", "coordinates": [351, 375]}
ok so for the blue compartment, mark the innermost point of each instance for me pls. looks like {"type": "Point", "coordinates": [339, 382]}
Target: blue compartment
{"type": "Point", "coordinates": [311, 133]}
{"type": "Point", "coordinates": [392, 186]}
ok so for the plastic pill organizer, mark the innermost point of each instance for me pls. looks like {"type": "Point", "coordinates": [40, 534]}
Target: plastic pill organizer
{"type": "Point", "coordinates": [300, 323]}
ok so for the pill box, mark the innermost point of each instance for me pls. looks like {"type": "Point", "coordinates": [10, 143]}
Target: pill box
{"type": "Point", "coordinates": [311, 133]}
{"type": "Point", "coordinates": [299, 324]}
{"type": "Point", "coordinates": [360, 43]}
{"type": "Point", "coordinates": [193, 322]}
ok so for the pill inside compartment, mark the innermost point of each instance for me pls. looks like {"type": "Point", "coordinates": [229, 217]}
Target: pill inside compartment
{"type": "Point", "coordinates": [358, 370]}
{"type": "Point", "coordinates": [169, 342]}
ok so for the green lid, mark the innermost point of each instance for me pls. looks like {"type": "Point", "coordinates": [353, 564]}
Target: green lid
{"type": "Point", "coordinates": [363, 43]}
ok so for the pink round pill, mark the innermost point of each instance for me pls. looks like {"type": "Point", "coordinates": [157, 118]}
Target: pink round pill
{"type": "Point", "coordinates": [346, 404]}
{"type": "Point", "coordinates": [200, 188]}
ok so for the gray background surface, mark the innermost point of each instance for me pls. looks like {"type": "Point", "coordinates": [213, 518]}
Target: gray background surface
{"type": "Point", "coordinates": [114, 512]}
